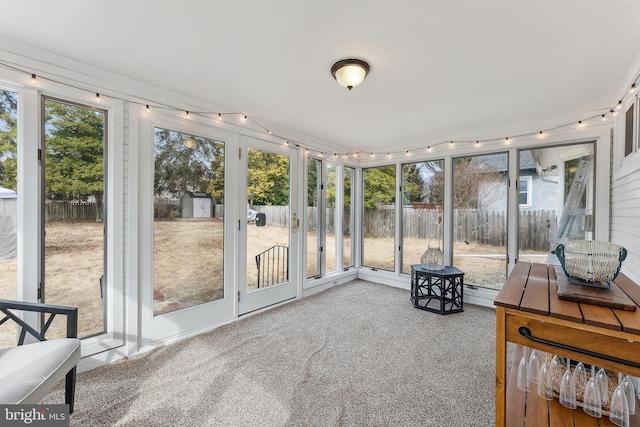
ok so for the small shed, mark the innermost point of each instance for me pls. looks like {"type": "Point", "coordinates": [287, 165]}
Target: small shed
{"type": "Point", "coordinates": [197, 205]}
{"type": "Point", "coordinates": [8, 224]}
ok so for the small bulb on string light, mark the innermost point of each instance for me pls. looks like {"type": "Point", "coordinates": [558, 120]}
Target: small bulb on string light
{"type": "Point", "coordinates": [372, 155]}
{"type": "Point", "coordinates": [580, 123]}
{"type": "Point", "coordinates": [187, 114]}
{"type": "Point", "coordinates": [321, 154]}
{"type": "Point", "coordinates": [388, 155]}
{"type": "Point", "coordinates": [613, 112]}
{"type": "Point", "coordinates": [355, 155]}
{"type": "Point", "coordinates": [633, 88]}
{"type": "Point", "coordinates": [506, 140]}
{"type": "Point", "coordinates": [346, 155]}
{"type": "Point", "coordinates": [408, 153]}
{"type": "Point", "coordinates": [244, 117]}
{"type": "Point", "coordinates": [429, 148]}
{"type": "Point", "coordinates": [219, 116]}
{"type": "Point", "coordinates": [477, 142]}
{"type": "Point", "coordinates": [269, 131]}
{"type": "Point", "coordinates": [335, 155]}
{"type": "Point", "coordinates": [604, 117]}
{"type": "Point", "coordinates": [287, 143]}
{"type": "Point", "coordinates": [97, 97]}
{"type": "Point", "coordinates": [619, 105]}
{"type": "Point", "coordinates": [147, 109]}
{"type": "Point", "coordinates": [541, 134]}
{"type": "Point", "coordinates": [33, 79]}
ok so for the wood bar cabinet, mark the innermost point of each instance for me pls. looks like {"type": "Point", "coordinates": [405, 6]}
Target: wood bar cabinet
{"type": "Point", "coordinates": [530, 314]}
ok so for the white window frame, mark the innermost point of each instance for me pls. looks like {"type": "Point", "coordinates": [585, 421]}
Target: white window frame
{"type": "Point", "coordinates": [529, 180]}
{"type": "Point", "coordinates": [29, 252]}
{"type": "Point", "coordinates": [626, 164]}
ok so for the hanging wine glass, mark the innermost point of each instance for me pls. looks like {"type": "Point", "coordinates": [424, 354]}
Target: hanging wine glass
{"type": "Point", "coordinates": [568, 389]}
{"type": "Point", "coordinates": [556, 372]}
{"type": "Point", "coordinates": [603, 384]}
{"type": "Point", "coordinates": [630, 392]}
{"type": "Point", "coordinates": [545, 382]}
{"type": "Point", "coordinates": [524, 377]}
{"type": "Point", "coordinates": [534, 366]}
{"type": "Point", "coordinates": [580, 377]}
{"type": "Point", "coordinates": [592, 401]}
{"type": "Point", "coordinates": [619, 408]}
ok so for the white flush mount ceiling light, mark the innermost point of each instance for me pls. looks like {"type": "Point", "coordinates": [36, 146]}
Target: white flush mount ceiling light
{"type": "Point", "coordinates": [350, 72]}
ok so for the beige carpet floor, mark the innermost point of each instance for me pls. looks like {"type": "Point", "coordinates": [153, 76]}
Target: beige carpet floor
{"type": "Point", "coordinates": [355, 355]}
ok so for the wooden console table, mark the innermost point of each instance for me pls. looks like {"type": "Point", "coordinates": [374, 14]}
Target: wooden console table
{"type": "Point", "coordinates": [529, 313]}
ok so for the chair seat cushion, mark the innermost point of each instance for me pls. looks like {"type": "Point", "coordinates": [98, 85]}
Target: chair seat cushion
{"type": "Point", "coordinates": [28, 372]}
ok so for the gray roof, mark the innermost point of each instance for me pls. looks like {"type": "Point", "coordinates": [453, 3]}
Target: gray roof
{"type": "Point", "coordinates": [500, 162]}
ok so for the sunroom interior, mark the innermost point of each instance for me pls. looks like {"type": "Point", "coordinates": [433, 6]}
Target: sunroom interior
{"type": "Point", "coordinates": [135, 136]}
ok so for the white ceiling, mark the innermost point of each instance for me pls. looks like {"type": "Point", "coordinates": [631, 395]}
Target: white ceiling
{"type": "Point", "coordinates": [453, 69]}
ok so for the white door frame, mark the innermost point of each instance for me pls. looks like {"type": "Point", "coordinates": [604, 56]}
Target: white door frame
{"type": "Point", "coordinates": [260, 298]}
{"type": "Point", "coordinates": [168, 327]}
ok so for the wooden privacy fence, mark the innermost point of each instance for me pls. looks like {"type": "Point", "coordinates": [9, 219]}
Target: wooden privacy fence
{"type": "Point", "coordinates": [536, 228]}
{"type": "Point", "coordinates": [69, 211]}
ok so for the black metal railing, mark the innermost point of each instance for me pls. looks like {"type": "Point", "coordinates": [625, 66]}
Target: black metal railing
{"type": "Point", "coordinates": [273, 266]}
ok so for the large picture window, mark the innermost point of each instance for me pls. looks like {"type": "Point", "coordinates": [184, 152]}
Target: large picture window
{"type": "Point", "coordinates": [74, 213]}
{"type": "Point", "coordinates": [423, 201]}
{"type": "Point", "coordinates": [188, 224]}
{"type": "Point", "coordinates": [480, 185]}
{"type": "Point", "coordinates": [378, 249]}
{"type": "Point", "coordinates": [553, 207]}
{"type": "Point", "coordinates": [8, 205]}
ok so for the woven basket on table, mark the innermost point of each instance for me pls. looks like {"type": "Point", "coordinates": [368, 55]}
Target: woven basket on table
{"type": "Point", "coordinates": [590, 261]}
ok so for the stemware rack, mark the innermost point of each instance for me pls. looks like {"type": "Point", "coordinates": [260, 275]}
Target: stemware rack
{"type": "Point", "coordinates": [529, 314]}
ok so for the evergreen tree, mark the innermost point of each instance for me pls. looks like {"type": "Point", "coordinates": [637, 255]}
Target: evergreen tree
{"type": "Point", "coordinates": [379, 186]}
{"type": "Point", "coordinates": [8, 140]}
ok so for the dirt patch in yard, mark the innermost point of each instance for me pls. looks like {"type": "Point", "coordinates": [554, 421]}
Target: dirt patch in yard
{"type": "Point", "coordinates": [189, 269]}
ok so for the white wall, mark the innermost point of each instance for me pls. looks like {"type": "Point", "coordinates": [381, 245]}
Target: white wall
{"type": "Point", "coordinates": [625, 215]}
{"type": "Point", "coordinates": [625, 180]}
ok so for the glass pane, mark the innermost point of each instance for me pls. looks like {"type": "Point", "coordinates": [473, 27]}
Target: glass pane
{"type": "Point", "coordinates": [628, 132]}
{"type": "Point", "coordinates": [268, 186]}
{"type": "Point", "coordinates": [188, 226]}
{"type": "Point", "coordinates": [480, 218]}
{"type": "Point", "coordinates": [74, 207]}
{"type": "Point", "coordinates": [378, 249]}
{"type": "Point", "coordinates": [523, 191]}
{"type": "Point", "coordinates": [553, 173]}
{"type": "Point", "coordinates": [348, 219]}
{"type": "Point", "coordinates": [314, 177]}
{"type": "Point", "coordinates": [8, 206]}
{"type": "Point", "coordinates": [423, 193]}
{"type": "Point", "coordinates": [330, 208]}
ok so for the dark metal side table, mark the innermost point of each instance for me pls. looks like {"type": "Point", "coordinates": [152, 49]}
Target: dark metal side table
{"type": "Point", "coordinates": [438, 291]}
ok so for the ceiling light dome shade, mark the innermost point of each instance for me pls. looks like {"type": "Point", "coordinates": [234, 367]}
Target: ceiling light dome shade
{"type": "Point", "coordinates": [350, 72]}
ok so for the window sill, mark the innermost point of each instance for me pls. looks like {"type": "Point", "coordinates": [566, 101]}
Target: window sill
{"type": "Point", "coordinates": [630, 164]}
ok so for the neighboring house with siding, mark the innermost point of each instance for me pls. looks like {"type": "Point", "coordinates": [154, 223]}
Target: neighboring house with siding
{"type": "Point", "coordinates": [537, 191]}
